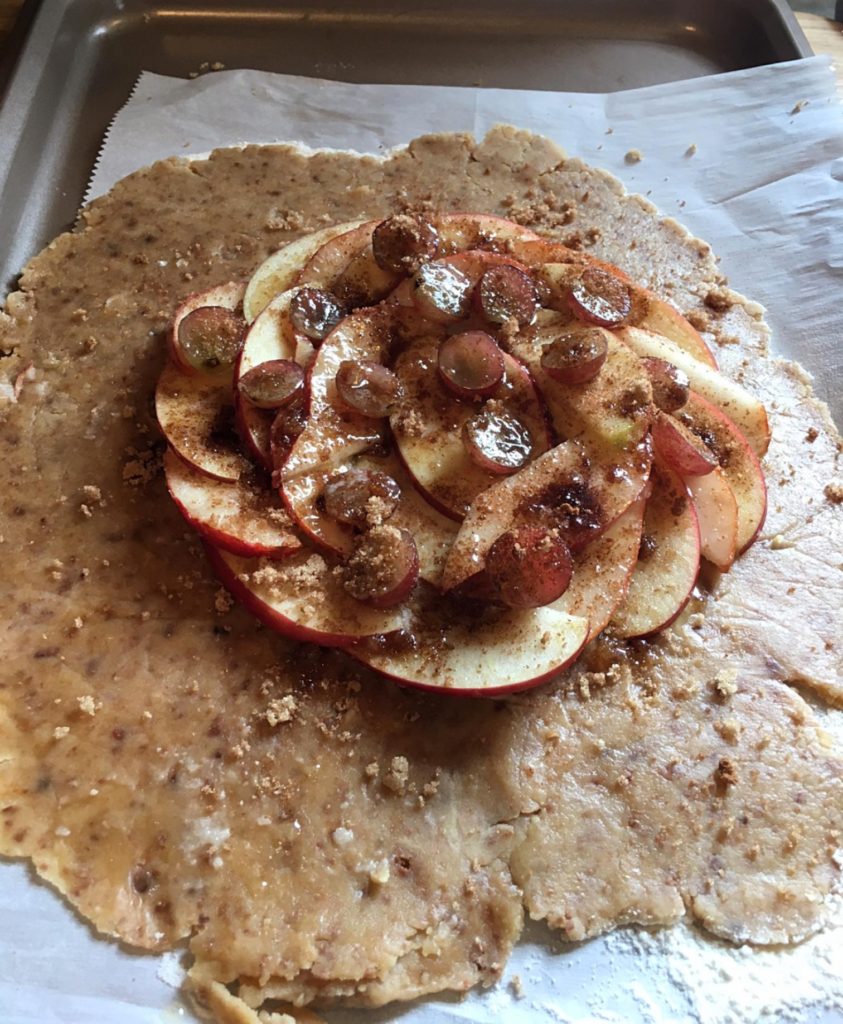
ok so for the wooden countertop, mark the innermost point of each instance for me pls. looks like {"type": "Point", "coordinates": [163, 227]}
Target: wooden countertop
{"type": "Point", "coordinates": [824, 35]}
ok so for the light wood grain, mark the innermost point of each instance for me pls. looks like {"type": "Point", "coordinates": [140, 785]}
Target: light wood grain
{"type": "Point", "coordinates": [8, 13]}
{"type": "Point", "coordinates": [824, 35]}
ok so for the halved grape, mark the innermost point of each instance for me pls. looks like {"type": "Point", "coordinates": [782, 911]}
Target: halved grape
{"type": "Point", "coordinates": [315, 313]}
{"type": "Point", "coordinates": [576, 356]}
{"type": "Point", "coordinates": [273, 384]}
{"type": "Point", "coordinates": [401, 243]}
{"type": "Point", "coordinates": [529, 566]}
{"type": "Point", "coordinates": [670, 384]}
{"type": "Point", "coordinates": [601, 298]}
{"type": "Point", "coordinates": [442, 292]}
{"type": "Point", "coordinates": [361, 497]}
{"type": "Point", "coordinates": [471, 364]}
{"type": "Point", "coordinates": [507, 293]}
{"type": "Point", "coordinates": [286, 427]}
{"type": "Point", "coordinates": [210, 337]}
{"type": "Point", "coordinates": [497, 442]}
{"type": "Point", "coordinates": [384, 567]}
{"type": "Point", "coordinates": [678, 446]}
{"type": "Point", "coordinates": [367, 387]}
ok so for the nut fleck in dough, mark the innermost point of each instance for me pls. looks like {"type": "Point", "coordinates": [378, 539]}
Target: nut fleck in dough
{"type": "Point", "coordinates": [273, 802]}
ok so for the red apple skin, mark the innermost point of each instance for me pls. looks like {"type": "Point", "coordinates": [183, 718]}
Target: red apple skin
{"type": "Point", "coordinates": [677, 446]}
{"type": "Point", "coordinates": [186, 408]}
{"type": "Point", "coordinates": [661, 519]}
{"type": "Point", "coordinates": [358, 653]}
{"type": "Point", "coordinates": [247, 426]}
{"type": "Point", "coordinates": [264, 613]}
{"type": "Point", "coordinates": [717, 513]}
{"type": "Point", "coordinates": [741, 466]}
{"type": "Point", "coordinates": [453, 691]}
{"type": "Point", "coordinates": [269, 616]}
{"type": "Point", "coordinates": [229, 295]}
{"type": "Point", "coordinates": [226, 540]}
{"type": "Point", "coordinates": [475, 230]}
{"type": "Point", "coordinates": [660, 317]}
{"type": "Point", "coordinates": [439, 506]}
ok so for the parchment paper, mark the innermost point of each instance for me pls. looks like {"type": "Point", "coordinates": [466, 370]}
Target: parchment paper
{"type": "Point", "coordinates": [764, 188]}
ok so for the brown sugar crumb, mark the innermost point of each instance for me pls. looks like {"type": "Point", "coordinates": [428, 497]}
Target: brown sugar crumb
{"type": "Point", "coordinates": [634, 156]}
{"type": "Point", "coordinates": [371, 567]}
{"type": "Point", "coordinates": [516, 986]}
{"type": "Point", "coordinates": [373, 770]}
{"type": "Point", "coordinates": [378, 510]}
{"type": "Point", "coordinates": [410, 422]}
{"type": "Point", "coordinates": [718, 299]}
{"type": "Point", "coordinates": [223, 601]}
{"type": "Point", "coordinates": [834, 492]}
{"type": "Point", "coordinates": [60, 732]}
{"type": "Point", "coordinates": [593, 236]}
{"type": "Point", "coordinates": [540, 207]}
{"type": "Point", "coordinates": [281, 710]}
{"type": "Point", "coordinates": [397, 775]}
{"type": "Point", "coordinates": [812, 435]}
{"type": "Point", "coordinates": [699, 319]}
{"type": "Point", "coordinates": [725, 774]}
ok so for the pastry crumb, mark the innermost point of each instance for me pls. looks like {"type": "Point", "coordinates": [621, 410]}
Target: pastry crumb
{"type": "Point", "coordinates": [281, 710]}
{"type": "Point", "coordinates": [725, 683]}
{"type": "Point", "coordinates": [397, 775]}
{"type": "Point", "coordinates": [834, 492]}
{"type": "Point", "coordinates": [634, 156]}
{"type": "Point", "coordinates": [89, 705]}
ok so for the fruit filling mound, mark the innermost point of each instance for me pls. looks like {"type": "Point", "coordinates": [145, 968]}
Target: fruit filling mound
{"type": "Point", "coordinates": [455, 448]}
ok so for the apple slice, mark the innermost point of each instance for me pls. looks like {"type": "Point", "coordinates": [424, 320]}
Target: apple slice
{"type": "Point", "coordinates": [736, 402]}
{"type": "Point", "coordinates": [432, 532]}
{"type": "Point", "coordinates": [346, 267]}
{"type": "Point", "coordinates": [717, 513]}
{"type": "Point", "coordinates": [226, 296]}
{"type": "Point", "coordinates": [428, 423]}
{"type": "Point", "coordinates": [559, 490]}
{"type": "Point", "coordinates": [196, 415]}
{"type": "Point", "coordinates": [244, 518]}
{"type": "Point", "coordinates": [333, 433]}
{"type": "Point", "coordinates": [302, 598]}
{"type": "Point", "coordinates": [462, 648]}
{"type": "Point", "coordinates": [668, 562]}
{"type": "Point", "coordinates": [461, 231]}
{"type": "Point", "coordinates": [612, 410]}
{"type": "Point", "coordinates": [270, 337]}
{"type": "Point", "coordinates": [279, 271]}
{"type": "Point", "coordinates": [739, 463]}
{"type": "Point", "coordinates": [648, 312]}
{"type": "Point", "coordinates": [654, 314]}
{"type": "Point", "coordinates": [602, 571]}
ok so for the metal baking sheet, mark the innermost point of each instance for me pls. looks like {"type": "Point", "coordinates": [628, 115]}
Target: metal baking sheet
{"type": "Point", "coordinates": [74, 66]}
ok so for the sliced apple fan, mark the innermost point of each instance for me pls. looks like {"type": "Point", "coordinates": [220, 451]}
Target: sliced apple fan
{"type": "Point", "coordinates": [455, 448]}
